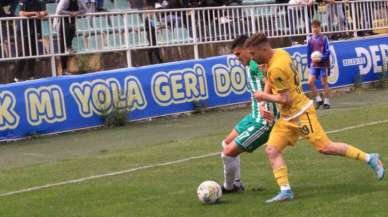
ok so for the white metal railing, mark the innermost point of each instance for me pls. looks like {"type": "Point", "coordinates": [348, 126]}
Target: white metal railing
{"type": "Point", "coordinates": [127, 30]}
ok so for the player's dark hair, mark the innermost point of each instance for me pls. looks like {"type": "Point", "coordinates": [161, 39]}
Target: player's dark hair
{"type": "Point", "coordinates": [239, 41]}
{"type": "Point", "coordinates": [256, 40]}
{"type": "Point", "coordinates": [315, 23]}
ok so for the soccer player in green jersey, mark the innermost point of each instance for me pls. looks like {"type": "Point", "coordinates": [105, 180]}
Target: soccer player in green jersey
{"type": "Point", "coordinates": [253, 130]}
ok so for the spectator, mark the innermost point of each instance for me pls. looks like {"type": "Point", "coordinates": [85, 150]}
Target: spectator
{"type": "Point", "coordinates": [7, 9]}
{"type": "Point", "coordinates": [295, 12]}
{"type": "Point", "coordinates": [150, 23]}
{"type": "Point", "coordinates": [319, 68]}
{"type": "Point", "coordinates": [100, 6]}
{"type": "Point", "coordinates": [333, 12]}
{"type": "Point", "coordinates": [31, 32]}
{"type": "Point", "coordinates": [66, 26]}
{"type": "Point", "coordinates": [12, 4]}
{"type": "Point", "coordinates": [91, 6]}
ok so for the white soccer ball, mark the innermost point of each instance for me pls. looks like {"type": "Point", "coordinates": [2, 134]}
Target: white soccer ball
{"type": "Point", "coordinates": [209, 192]}
{"type": "Point", "coordinates": [316, 56]}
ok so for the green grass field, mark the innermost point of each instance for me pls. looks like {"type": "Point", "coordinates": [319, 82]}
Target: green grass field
{"type": "Point", "coordinates": [324, 185]}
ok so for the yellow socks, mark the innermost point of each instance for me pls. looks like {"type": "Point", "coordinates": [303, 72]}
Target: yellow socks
{"type": "Point", "coordinates": [355, 153]}
{"type": "Point", "coordinates": [281, 176]}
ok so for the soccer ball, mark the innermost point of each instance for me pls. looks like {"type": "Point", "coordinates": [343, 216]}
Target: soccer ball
{"type": "Point", "coordinates": [316, 56]}
{"type": "Point", "coordinates": [209, 192]}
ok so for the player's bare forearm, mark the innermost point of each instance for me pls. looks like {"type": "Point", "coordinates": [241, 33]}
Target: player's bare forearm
{"type": "Point", "coordinates": [267, 87]}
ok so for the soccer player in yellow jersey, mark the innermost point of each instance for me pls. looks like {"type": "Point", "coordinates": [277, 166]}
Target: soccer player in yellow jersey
{"type": "Point", "coordinates": [297, 116]}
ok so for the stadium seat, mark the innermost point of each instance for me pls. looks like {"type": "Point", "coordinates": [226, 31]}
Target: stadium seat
{"type": "Point", "coordinates": [255, 2]}
{"type": "Point", "coordinates": [83, 24]}
{"type": "Point", "coordinates": [259, 12]}
{"type": "Point", "coordinates": [109, 5]}
{"type": "Point", "coordinates": [120, 5]}
{"type": "Point", "coordinates": [51, 7]}
{"type": "Point", "coordinates": [137, 39]}
{"type": "Point", "coordinates": [181, 35]}
{"type": "Point", "coordinates": [134, 21]}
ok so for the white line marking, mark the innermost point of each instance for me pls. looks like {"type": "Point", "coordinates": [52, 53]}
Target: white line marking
{"type": "Point", "coordinates": [358, 126]}
{"type": "Point", "coordinates": [158, 165]}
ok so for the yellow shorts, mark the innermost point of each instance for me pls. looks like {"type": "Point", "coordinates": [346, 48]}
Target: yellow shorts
{"type": "Point", "coordinates": [286, 133]}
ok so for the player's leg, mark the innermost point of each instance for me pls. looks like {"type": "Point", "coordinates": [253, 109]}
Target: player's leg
{"type": "Point", "coordinates": [231, 136]}
{"type": "Point", "coordinates": [227, 141]}
{"type": "Point", "coordinates": [325, 84]}
{"type": "Point", "coordinates": [349, 151]}
{"type": "Point", "coordinates": [253, 137]}
{"type": "Point", "coordinates": [313, 131]}
{"type": "Point", "coordinates": [313, 74]}
{"type": "Point", "coordinates": [231, 158]}
{"type": "Point", "coordinates": [283, 133]}
{"type": "Point", "coordinates": [231, 153]}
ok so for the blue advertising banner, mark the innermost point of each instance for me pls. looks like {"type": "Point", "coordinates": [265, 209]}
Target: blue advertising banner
{"type": "Point", "coordinates": [68, 103]}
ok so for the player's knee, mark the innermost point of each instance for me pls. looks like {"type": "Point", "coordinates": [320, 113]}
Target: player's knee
{"type": "Point", "coordinates": [230, 151]}
{"type": "Point", "coordinates": [271, 151]}
{"type": "Point", "coordinates": [324, 80]}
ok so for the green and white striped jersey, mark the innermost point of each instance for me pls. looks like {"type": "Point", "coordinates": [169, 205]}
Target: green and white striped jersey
{"type": "Point", "coordinates": [255, 79]}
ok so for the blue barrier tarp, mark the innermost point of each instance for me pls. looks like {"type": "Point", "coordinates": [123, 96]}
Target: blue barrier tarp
{"type": "Point", "coordinates": [68, 103]}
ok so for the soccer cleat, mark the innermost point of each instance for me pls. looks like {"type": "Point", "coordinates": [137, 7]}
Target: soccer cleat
{"type": "Point", "coordinates": [318, 104]}
{"type": "Point", "coordinates": [326, 106]}
{"type": "Point", "coordinates": [376, 164]}
{"type": "Point", "coordinates": [237, 188]}
{"type": "Point", "coordinates": [282, 196]}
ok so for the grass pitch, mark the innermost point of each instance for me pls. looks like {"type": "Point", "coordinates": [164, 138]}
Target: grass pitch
{"type": "Point", "coordinates": [324, 185]}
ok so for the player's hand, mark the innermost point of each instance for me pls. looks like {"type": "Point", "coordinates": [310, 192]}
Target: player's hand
{"type": "Point", "coordinates": [267, 115]}
{"type": "Point", "coordinates": [259, 95]}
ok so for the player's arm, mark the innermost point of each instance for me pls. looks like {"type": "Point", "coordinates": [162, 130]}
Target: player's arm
{"type": "Point", "coordinates": [267, 115]}
{"type": "Point", "coordinates": [326, 50]}
{"type": "Point", "coordinates": [267, 86]}
{"type": "Point", "coordinates": [277, 80]}
{"type": "Point", "coordinates": [308, 52]}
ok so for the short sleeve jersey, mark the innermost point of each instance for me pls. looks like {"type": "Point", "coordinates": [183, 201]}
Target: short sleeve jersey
{"type": "Point", "coordinates": [256, 83]}
{"type": "Point", "coordinates": [283, 77]}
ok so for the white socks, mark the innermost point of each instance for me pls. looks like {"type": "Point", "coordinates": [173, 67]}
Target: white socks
{"type": "Point", "coordinates": [237, 174]}
{"type": "Point", "coordinates": [325, 100]}
{"type": "Point", "coordinates": [231, 169]}
{"type": "Point", "coordinates": [367, 158]}
{"type": "Point", "coordinates": [285, 188]}
{"type": "Point", "coordinates": [231, 166]}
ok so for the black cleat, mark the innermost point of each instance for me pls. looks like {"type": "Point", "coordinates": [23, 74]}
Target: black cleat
{"type": "Point", "coordinates": [237, 188]}
{"type": "Point", "coordinates": [326, 106]}
{"type": "Point", "coordinates": [318, 104]}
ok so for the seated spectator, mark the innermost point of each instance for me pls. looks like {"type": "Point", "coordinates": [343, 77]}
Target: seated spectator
{"type": "Point", "coordinates": [11, 4]}
{"type": "Point", "coordinates": [7, 9]}
{"type": "Point", "coordinates": [66, 26]}
{"type": "Point", "coordinates": [100, 6]}
{"type": "Point", "coordinates": [31, 32]}
{"type": "Point", "coordinates": [295, 12]}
